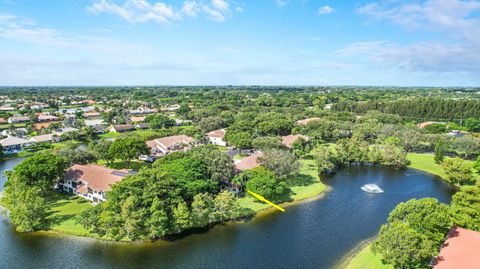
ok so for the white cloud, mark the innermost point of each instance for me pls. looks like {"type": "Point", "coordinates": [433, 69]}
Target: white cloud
{"type": "Point", "coordinates": [326, 10]}
{"type": "Point", "coordinates": [142, 11]}
{"type": "Point", "coordinates": [281, 3]}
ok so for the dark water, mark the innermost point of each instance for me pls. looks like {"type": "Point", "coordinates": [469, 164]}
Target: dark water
{"type": "Point", "coordinates": [316, 234]}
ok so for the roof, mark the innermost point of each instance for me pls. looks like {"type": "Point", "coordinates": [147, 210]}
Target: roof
{"type": "Point", "coordinates": [42, 138]}
{"type": "Point", "coordinates": [40, 125]}
{"type": "Point", "coordinates": [248, 162]}
{"type": "Point", "coordinates": [169, 141]}
{"type": "Point", "coordinates": [93, 122]}
{"type": "Point", "coordinates": [123, 127]}
{"type": "Point", "coordinates": [460, 250]}
{"type": "Point", "coordinates": [91, 114]}
{"type": "Point", "coordinates": [12, 140]}
{"type": "Point", "coordinates": [97, 177]}
{"type": "Point", "coordinates": [425, 124]}
{"type": "Point", "coordinates": [20, 118]}
{"type": "Point", "coordinates": [288, 140]}
{"type": "Point", "coordinates": [2, 120]}
{"type": "Point", "coordinates": [217, 133]}
{"type": "Point", "coordinates": [47, 117]}
{"type": "Point", "coordinates": [66, 130]}
{"type": "Point", "coordinates": [306, 121]}
{"type": "Point", "coordinates": [137, 118]}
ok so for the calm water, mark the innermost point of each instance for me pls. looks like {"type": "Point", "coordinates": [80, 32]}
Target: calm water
{"type": "Point", "coordinates": [316, 234]}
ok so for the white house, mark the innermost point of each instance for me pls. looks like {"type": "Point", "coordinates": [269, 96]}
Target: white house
{"type": "Point", "coordinates": [216, 137]}
{"type": "Point", "coordinates": [165, 145]}
{"type": "Point", "coordinates": [13, 144]}
{"type": "Point", "coordinates": [91, 181]}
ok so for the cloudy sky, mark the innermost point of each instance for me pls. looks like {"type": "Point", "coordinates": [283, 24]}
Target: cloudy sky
{"type": "Point", "coordinates": [240, 42]}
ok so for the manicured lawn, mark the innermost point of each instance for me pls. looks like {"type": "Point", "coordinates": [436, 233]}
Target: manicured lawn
{"type": "Point", "coordinates": [366, 259]}
{"type": "Point", "coordinates": [307, 184]}
{"type": "Point", "coordinates": [425, 162]}
{"type": "Point", "coordinates": [63, 211]}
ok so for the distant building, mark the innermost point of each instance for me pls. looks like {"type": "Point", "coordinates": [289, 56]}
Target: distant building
{"type": "Point", "coordinates": [45, 138]}
{"type": "Point", "coordinates": [2, 121]}
{"type": "Point", "coordinates": [47, 118]}
{"type": "Point", "coordinates": [91, 181]}
{"type": "Point", "coordinates": [7, 108]}
{"type": "Point", "coordinates": [249, 162]}
{"type": "Point", "coordinates": [426, 123]}
{"type": "Point", "coordinates": [461, 250]}
{"type": "Point", "coordinates": [217, 137]}
{"type": "Point", "coordinates": [19, 132]}
{"type": "Point", "coordinates": [93, 122]}
{"type": "Point", "coordinates": [288, 140]}
{"type": "Point", "coordinates": [65, 130]}
{"type": "Point", "coordinates": [137, 119]}
{"type": "Point", "coordinates": [306, 121]}
{"type": "Point", "coordinates": [18, 119]}
{"type": "Point", "coordinates": [121, 128]}
{"type": "Point", "coordinates": [92, 115]}
{"type": "Point", "coordinates": [13, 144]}
{"type": "Point", "coordinates": [166, 145]}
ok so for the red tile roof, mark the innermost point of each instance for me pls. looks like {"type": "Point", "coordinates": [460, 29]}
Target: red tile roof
{"type": "Point", "coordinates": [290, 139]}
{"type": "Point", "coordinates": [306, 121]}
{"type": "Point", "coordinates": [248, 162]}
{"type": "Point", "coordinates": [97, 177]}
{"type": "Point", "coordinates": [461, 250]}
{"type": "Point", "coordinates": [217, 133]}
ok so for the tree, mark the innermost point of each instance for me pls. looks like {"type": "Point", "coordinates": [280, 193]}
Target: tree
{"type": "Point", "coordinates": [158, 121]}
{"type": "Point", "coordinates": [472, 125]}
{"type": "Point", "coordinates": [427, 216]}
{"type": "Point", "coordinates": [264, 182]}
{"type": "Point", "coordinates": [219, 165]}
{"type": "Point", "coordinates": [325, 161]}
{"type": "Point", "coordinates": [202, 208]}
{"type": "Point", "coordinates": [436, 128]}
{"type": "Point", "coordinates": [76, 156]}
{"type": "Point", "coordinates": [241, 140]}
{"type": "Point", "coordinates": [457, 172]}
{"type": "Point", "coordinates": [466, 145]}
{"type": "Point", "coordinates": [101, 150]}
{"type": "Point", "coordinates": [211, 123]}
{"type": "Point", "coordinates": [439, 151]}
{"type": "Point", "coordinates": [128, 148]}
{"type": "Point", "coordinates": [43, 170]}
{"type": "Point", "coordinates": [282, 162]}
{"type": "Point", "coordinates": [476, 166]}
{"type": "Point", "coordinates": [301, 146]}
{"type": "Point", "coordinates": [402, 246]}
{"type": "Point", "coordinates": [181, 217]}
{"type": "Point", "coordinates": [395, 156]}
{"type": "Point", "coordinates": [225, 207]}
{"type": "Point", "coordinates": [465, 207]}
{"type": "Point", "coordinates": [267, 142]}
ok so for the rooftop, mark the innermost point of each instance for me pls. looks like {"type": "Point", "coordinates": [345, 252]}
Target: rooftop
{"type": "Point", "coordinates": [460, 250]}
{"type": "Point", "coordinates": [98, 177]}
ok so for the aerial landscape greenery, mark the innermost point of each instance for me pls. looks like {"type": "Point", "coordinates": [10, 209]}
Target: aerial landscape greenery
{"type": "Point", "coordinates": [278, 142]}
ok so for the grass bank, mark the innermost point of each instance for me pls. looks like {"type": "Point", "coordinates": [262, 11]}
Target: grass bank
{"type": "Point", "coordinates": [366, 259]}
{"type": "Point", "coordinates": [306, 185]}
{"type": "Point", "coordinates": [63, 211]}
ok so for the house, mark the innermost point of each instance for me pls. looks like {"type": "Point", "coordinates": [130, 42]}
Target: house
{"type": "Point", "coordinates": [18, 119]}
{"type": "Point", "coordinates": [216, 137]}
{"type": "Point", "coordinates": [13, 144]}
{"type": "Point", "coordinates": [426, 123]}
{"type": "Point", "coordinates": [65, 130]}
{"type": "Point", "coordinates": [288, 140]}
{"type": "Point", "coordinates": [19, 132]}
{"type": "Point", "coordinates": [121, 128]}
{"type": "Point", "coordinates": [165, 145]}
{"type": "Point", "coordinates": [249, 162]}
{"type": "Point", "coordinates": [47, 118]}
{"type": "Point", "coordinates": [41, 125]}
{"type": "Point", "coordinates": [460, 250]}
{"type": "Point", "coordinates": [45, 138]}
{"type": "Point", "coordinates": [7, 108]}
{"type": "Point", "coordinates": [2, 121]}
{"type": "Point", "coordinates": [93, 122]}
{"type": "Point", "coordinates": [91, 181]}
{"type": "Point", "coordinates": [455, 133]}
{"type": "Point", "coordinates": [99, 129]}
{"type": "Point", "coordinates": [306, 121]}
{"type": "Point", "coordinates": [92, 115]}
{"type": "Point", "coordinates": [179, 122]}
{"type": "Point", "coordinates": [137, 119]}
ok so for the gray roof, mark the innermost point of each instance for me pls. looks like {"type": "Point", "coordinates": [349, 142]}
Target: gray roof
{"type": "Point", "coordinates": [12, 140]}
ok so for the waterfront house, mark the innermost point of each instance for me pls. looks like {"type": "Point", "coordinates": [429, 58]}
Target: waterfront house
{"type": "Point", "coordinates": [45, 138]}
{"type": "Point", "coordinates": [249, 162]}
{"type": "Point", "coordinates": [13, 144]}
{"type": "Point", "coordinates": [166, 145]}
{"type": "Point", "coordinates": [460, 250]}
{"type": "Point", "coordinates": [91, 181]}
{"type": "Point", "coordinates": [121, 128]}
{"type": "Point", "coordinates": [288, 140]}
{"type": "Point", "coordinates": [306, 121]}
{"type": "Point", "coordinates": [217, 137]}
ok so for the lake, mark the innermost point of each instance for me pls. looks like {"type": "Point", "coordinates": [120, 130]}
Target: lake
{"type": "Point", "coordinates": [312, 234]}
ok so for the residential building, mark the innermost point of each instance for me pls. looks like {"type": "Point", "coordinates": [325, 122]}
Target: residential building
{"type": "Point", "coordinates": [137, 119]}
{"type": "Point", "coordinates": [249, 162]}
{"type": "Point", "coordinates": [426, 123]}
{"type": "Point", "coordinates": [47, 118]}
{"type": "Point", "coordinates": [13, 144]}
{"type": "Point", "coordinates": [121, 128]}
{"type": "Point", "coordinates": [45, 138]}
{"type": "Point", "coordinates": [91, 181]}
{"type": "Point", "coordinates": [18, 132]}
{"type": "Point", "coordinates": [288, 140]}
{"type": "Point", "coordinates": [460, 250]}
{"type": "Point", "coordinates": [217, 137]}
{"type": "Point", "coordinates": [2, 121]}
{"type": "Point", "coordinates": [92, 122]}
{"type": "Point", "coordinates": [166, 145]}
{"type": "Point", "coordinates": [18, 119]}
{"type": "Point", "coordinates": [65, 130]}
{"type": "Point", "coordinates": [306, 121]}
{"type": "Point", "coordinates": [92, 115]}
{"type": "Point", "coordinates": [7, 108]}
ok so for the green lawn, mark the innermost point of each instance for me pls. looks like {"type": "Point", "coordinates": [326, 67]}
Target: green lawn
{"type": "Point", "coordinates": [63, 211]}
{"type": "Point", "coordinates": [307, 184]}
{"type": "Point", "coordinates": [365, 259]}
{"type": "Point", "coordinates": [425, 162]}
{"type": "Point", "coordinates": [109, 135]}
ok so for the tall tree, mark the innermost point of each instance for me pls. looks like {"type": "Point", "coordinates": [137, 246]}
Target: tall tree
{"type": "Point", "coordinates": [128, 148]}
{"type": "Point", "coordinates": [457, 172]}
{"type": "Point", "coordinates": [439, 151]}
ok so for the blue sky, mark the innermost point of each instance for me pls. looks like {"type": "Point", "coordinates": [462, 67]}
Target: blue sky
{"type": "Point", "coordinates": [240, 42]}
